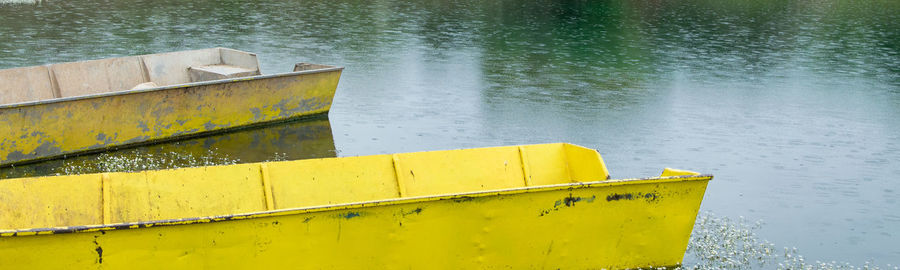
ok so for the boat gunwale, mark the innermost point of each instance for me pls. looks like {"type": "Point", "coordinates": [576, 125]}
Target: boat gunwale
{"type": "Point", "coordinates": [168, 87]}
{"type": "Point", "coordinates": [348, 206]}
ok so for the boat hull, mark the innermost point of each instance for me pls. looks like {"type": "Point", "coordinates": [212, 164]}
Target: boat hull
{"type": "Point", "coordinates": [41, 130]}
{"type": "Point", "coordinates": [612, 224]}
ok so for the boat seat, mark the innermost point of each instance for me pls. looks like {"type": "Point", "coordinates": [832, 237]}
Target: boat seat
{"type": "Point", "coordinates": [219, 72]}
{"type": "Point", "coordinates": [179, 67]}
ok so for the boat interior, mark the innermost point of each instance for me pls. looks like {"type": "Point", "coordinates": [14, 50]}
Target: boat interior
{"type": "Point", "coordinates": [62, 80]}
{"type": "Point", "coordinates": [128, 197]}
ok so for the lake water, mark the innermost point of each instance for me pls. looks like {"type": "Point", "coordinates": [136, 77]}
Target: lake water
{"type": "Point", "coordinates": [794, 106]}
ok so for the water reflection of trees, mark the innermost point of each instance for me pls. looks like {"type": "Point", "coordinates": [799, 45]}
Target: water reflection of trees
{"type": "Point", "coordinates": [770, 38]}
{"type": "Point", "coordinates": [574, 48]}
{"type": "Point", "coordinates": [567, 51]}
{"type": "Point", "coordinates": [619, 43]}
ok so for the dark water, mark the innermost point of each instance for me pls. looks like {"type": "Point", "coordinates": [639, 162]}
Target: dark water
{"type": "Point", "coordinates": [793, 105]}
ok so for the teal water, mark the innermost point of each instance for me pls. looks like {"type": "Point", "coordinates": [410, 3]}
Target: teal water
{"type": "Point", "coordinates": [793, 105]}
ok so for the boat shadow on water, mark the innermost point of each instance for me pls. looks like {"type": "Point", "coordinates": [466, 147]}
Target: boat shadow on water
{"type": "Point", "coordinates": [298, 139]}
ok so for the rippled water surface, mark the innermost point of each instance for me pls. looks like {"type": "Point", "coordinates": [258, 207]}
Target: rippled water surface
{"type": "Point", "coordinates": [793, 105]}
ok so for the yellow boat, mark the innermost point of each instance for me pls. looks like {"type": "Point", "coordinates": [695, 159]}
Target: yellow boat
{"type": "Point", "coordinates": [518, 207]}
{"type": "Point", "coordinates": [69, 108]}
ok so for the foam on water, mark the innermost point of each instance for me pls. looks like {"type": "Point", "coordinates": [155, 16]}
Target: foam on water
{"type": "Point", "coordinates": [115, 163]}
{"type": "Point", "coordinates": [20, 2]}
{"type": "Point", "coordinates": [723, 243]}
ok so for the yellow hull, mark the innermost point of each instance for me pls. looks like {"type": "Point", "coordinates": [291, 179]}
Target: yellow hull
{"type": "Point", "coordinates": [536, 206]}
{"type": "Point", "coordinates": [41, 130]}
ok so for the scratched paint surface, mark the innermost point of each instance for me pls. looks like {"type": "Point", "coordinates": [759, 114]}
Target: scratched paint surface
{"type": "Point", "coordinates": [53, 129]}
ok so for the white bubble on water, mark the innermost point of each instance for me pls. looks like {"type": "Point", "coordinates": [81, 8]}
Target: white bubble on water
{"type": "Point", "coordinates": [141, 162]}
{"type": "Point", "coordinates": [20, 1]}
{"type": "Point", "coordinates": [722, 243]}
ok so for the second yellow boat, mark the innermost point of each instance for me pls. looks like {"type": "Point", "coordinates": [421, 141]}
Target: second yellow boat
{"type": "Point", "coordinates": [70, 108]}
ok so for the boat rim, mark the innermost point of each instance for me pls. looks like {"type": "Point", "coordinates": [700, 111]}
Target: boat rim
{"type": "Point", "coordinates": [459, 197]}
{"type": "Point", "coordinates": [167, 87]}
